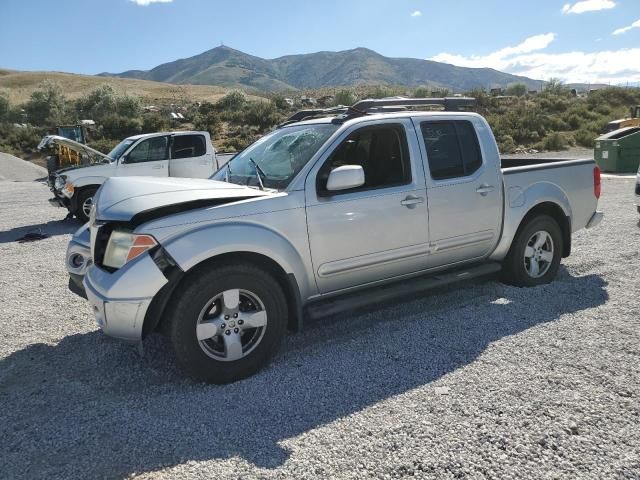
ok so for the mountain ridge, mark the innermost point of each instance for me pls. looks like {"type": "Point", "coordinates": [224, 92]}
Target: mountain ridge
{"type": "Point", "coordinates": [227, 67]}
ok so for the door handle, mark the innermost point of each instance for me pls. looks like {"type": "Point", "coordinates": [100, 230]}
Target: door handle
{"type": "Point", "coordinates": [484, 189]}
{"type": "Point", "coordinates": [157, 167]}
{"type": "Point", "coordinates": [411, 201]}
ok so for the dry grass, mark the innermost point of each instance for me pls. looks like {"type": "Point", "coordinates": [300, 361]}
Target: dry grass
{"type": "Point", "coordinates": [20, 85]}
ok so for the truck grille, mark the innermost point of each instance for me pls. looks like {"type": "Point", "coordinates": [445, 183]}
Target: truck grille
{"type": "Point", "coordinates": [103, 233]}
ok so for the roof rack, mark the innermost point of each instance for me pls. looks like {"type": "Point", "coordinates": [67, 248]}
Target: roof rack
{"type": "Point", "coordinates": [382, 105]}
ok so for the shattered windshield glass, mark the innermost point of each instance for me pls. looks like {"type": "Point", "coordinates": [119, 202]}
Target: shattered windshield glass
{"type": "Point", "coordinates": [275, 159]}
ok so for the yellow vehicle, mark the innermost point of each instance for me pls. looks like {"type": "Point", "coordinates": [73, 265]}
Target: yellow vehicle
{"type": "Point", "coordinates": [633, 121]}
{"type": "Point", "coordinates": [60, 155]}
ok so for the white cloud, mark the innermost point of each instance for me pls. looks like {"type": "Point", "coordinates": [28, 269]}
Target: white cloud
{"type": "Point", "coordinates": [588, 6]}
{"type": "Point", "coordinates": [417, 13]}
{"type": "Point", "coordinates": [526, 59]}
{"type": "Point", "coordinates": [144, 3]}
{"type": "Point", "coordinates": [622, 30]}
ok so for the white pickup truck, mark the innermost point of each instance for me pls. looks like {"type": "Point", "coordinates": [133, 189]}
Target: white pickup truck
{"type": "Point", "coordinates": [323, 214]}
{"type": "Point", "coordinates": [165, 154]}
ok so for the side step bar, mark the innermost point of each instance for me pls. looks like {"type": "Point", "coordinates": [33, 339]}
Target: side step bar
{"type": "Point", "coordinates": [402, 288]}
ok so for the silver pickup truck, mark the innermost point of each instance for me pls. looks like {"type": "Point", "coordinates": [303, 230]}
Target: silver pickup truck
{"type": "Point", "coordinates": [321, 215]}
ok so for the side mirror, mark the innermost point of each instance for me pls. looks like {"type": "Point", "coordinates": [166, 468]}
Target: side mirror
{"type": "Point", "coordinates": [345, 177]}
{"type": "Point", "coordinates": [123, 159]}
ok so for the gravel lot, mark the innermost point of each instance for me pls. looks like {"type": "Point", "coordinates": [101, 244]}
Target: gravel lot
{"type": "Point", "coordinates": [477, 381]}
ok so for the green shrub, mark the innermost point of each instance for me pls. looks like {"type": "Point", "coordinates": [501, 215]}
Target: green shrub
{"type": "Point", "coordinates": [103, 145]}
{"type": "Point", "coordinates": [232, 101]}
{"type": "Point", "coordinates": [345, 97]}
{"type": "Point", "coordinates": [554, 142]}
{"type": "Point", "coordinates": [155, 122]}
{"type": "Point", "coordinates": [119, 127]}
{"type": "Point", "coordinates": [261, 114]}
{"type": "Point", "coordinates": [209, 121]}
{"type": "Point", "coordinates": [506, 144]}
{"type": "Point", "coordinates": [518, 89]}
{"type": "Point", "coordinates": [585, 137]}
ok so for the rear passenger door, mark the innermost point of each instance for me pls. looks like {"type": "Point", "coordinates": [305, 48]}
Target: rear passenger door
{"type": "Point", "coordinates": [190, 157]}
{"type": "Point", "coordinates": [464, 191]}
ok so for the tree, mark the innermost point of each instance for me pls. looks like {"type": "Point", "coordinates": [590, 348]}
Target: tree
{"type": "Point", "coordinates": [555, 86]}
{"type": "Point", "coordinates": [46, 106]}
{"type": "Point", "coordinates": [517, 89]}
{"type": "Point", "coordinates": [100, 103]}
{"type": "Point", "coordinates": [128, 106]}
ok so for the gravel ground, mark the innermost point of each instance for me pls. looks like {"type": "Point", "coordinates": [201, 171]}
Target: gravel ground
{"type": "Point", "coordinates": [477, 381]}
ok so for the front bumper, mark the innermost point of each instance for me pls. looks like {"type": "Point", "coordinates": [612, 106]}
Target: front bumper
{"type": "Point", "coordinates": [595, 220]}
{"type": "Point", "coordinates": [120, 300]}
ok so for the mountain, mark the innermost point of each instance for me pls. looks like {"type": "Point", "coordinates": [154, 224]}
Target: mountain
{"type": "Point", "coordinates": [224, 66]}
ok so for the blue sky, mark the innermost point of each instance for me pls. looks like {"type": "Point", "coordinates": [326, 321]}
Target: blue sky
{"type": "Point", "coordinates": [570, 39]}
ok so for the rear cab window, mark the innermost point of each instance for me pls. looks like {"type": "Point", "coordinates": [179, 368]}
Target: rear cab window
{"type": "Point", "coordinates": [452, 148]}
{"type": "Point", "coordinates": [187, 146]}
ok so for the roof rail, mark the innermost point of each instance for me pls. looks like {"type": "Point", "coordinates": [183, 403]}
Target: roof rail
{"type": "Point", "coordinates": [449, 103]}
{"type": "Point", "coordinates": [382, 105]}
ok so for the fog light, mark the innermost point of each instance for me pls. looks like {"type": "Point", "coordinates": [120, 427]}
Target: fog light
{"type": "Point", "coordinates": [76, 260]}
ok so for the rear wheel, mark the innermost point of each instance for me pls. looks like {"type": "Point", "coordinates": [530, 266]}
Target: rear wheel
{"type": "Point", "coordinates": [535, 254]}
{"type": "Point", "coordinates": [225, 324]}
{"type": "Point", "coordinates": [84, 204]}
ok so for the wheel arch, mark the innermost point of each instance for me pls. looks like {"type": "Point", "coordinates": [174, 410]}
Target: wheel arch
{"type": "Point", "coordinates": [155, 316]}
{"type": "Point", "coordinates": [555, 211]}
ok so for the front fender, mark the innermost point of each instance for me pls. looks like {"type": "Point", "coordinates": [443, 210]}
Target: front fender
{"type": "Point", "coordinates": [86, 181]}
{"type": "Point", "coordinates": [198, 245]}
{"type": "Point", "coordinates": [519, 202]}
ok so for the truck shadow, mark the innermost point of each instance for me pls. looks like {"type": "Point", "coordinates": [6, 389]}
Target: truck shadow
{"type": "Point", "coordinates": [90, 407]}
{"type": "Point", "coordinates": [52, 228]}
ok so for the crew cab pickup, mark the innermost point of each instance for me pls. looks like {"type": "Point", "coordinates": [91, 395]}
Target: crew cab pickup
{"type": "Point", "coordinates": [338, 210]}
{"type": "Point", "coordinates": [165, 154]}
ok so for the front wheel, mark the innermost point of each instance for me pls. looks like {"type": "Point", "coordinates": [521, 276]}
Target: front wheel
{"type": "Point", "coordinates": [225, 324]}
{"type": "Point", "coordinates": [84, 204]}
{"type": "Point", "coordinates": [535, 254]}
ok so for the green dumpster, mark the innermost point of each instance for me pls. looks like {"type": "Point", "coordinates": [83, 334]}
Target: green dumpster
{"type": "Point", "coordinates": [619, 151]}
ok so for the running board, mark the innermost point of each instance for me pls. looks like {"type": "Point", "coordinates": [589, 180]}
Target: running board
{"type": "Point", "coordinates": [402, 288]}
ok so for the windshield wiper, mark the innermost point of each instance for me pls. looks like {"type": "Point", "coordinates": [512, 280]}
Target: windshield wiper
{"type": "Point", "coordinates": [259, 173]}
{"type": "Point", "coordinates": [227, 175]}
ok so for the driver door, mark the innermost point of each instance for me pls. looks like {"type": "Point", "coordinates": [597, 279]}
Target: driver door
{"type": "Point", "coordinates": [376, 231]}
{"type": "Point", "coordinates": [149, 157]}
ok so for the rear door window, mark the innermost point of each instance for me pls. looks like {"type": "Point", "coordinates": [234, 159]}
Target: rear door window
{"type": "Point", "coordinates": [452, 148]}
{"type": "Point", "coordinates": [186, 146]}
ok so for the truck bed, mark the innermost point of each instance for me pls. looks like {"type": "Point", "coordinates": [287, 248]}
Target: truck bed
{"type": "Point", "coordinates": [510, 162]}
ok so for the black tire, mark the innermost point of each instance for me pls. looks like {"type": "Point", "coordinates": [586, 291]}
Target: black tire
{"type": "Point", "coordinates": [83, 196]}
{"type": "Point", "coordinates": [195, 293]}
{"type": "Point", "coordinates": [514, 267]}
{"type": "Point", "coordinates": [53, 164]}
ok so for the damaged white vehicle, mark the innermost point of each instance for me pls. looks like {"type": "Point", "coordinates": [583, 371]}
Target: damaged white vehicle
{"type": "Point", "coordinates": [165, 154]}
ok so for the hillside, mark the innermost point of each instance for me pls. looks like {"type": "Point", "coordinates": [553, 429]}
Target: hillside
{"type": "Point", "coordinates": [20, 85]}
{"type": "Point", "coordinates": [224, 66]}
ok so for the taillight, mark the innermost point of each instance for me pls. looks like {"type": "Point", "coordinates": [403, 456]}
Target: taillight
{"type": "Point", "coordinates": [596, 182]}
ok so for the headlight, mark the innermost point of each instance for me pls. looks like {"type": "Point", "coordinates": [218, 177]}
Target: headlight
{"type": "Point", "coordinates": [68, 189]}
{"type": "Point", "coordinates": [125, 246]}
{"type": "Point", "coordinates": [59, 182]}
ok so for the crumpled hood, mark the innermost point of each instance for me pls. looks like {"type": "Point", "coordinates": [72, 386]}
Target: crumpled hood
{"type": "Point", "coordinates": [139, 199]}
